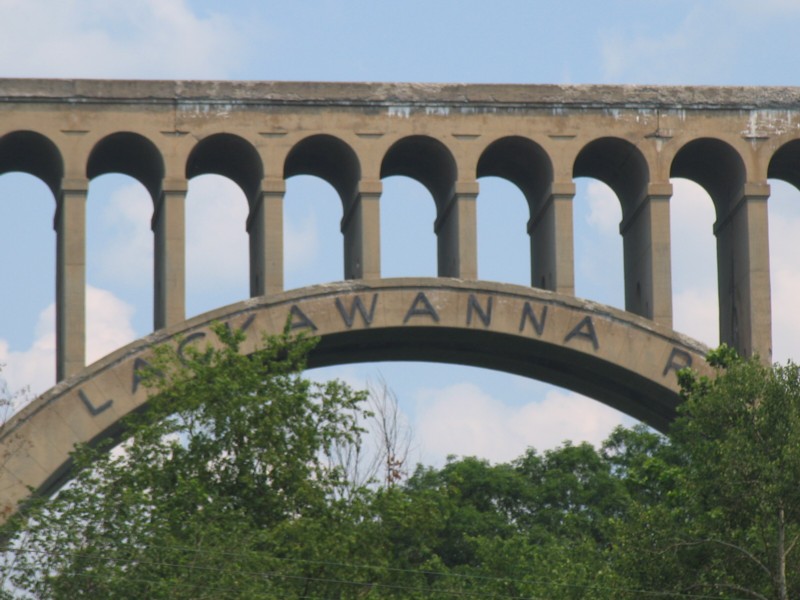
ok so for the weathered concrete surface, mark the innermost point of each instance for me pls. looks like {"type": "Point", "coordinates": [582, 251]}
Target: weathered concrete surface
{"type": "Point", "coordinates": [623, 360]}
{"type": "Point", "coordinates": [326, 93]}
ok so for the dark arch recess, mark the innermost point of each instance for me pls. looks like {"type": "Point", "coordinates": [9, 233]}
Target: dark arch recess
{"type": "Point", "coordinates": [230, 156]}
{"type": "Point", "coordinates": [617, 163]}
{"type": "Point", "coordinates": [130, 154]}
{"type": "Point", "coordinates": [428, 161]}
{"type": "Point", "coordinates": [785, 164]}
{"type": "Point", "coordinates": [715, 166]}
{"type": "Point", "coordinates": [520, 161]}
{"type": "Point", "coordinates": [31, 152]}
{"type": "Point", "coordinates": [328, 158]}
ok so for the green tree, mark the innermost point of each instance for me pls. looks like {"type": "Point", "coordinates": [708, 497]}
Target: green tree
{"type": "Point", "coordinates": [223, 489]}
{"type": "Point", "coordinates": [718, 510]}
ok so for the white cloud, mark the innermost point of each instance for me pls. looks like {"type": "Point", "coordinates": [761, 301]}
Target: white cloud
{"type": "Point", "coordinates": [108, 323]}
{"type": "Point", "coordinates": [462, 419]}
{"type": "Point", "coordinates": [127, 255]}
{"type": "Point", "coordinates": [784, 223]}
{"type": "Point", "coordinates": [605, 211]}
{"type": "Point", "coordinates": [108, 327]}
{"type": "Point", "coordinates": [217, 252]}
{"type": "Point", "coordinates": [114, 38]}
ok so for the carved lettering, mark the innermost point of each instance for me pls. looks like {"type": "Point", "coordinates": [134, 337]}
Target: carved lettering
{"type": "Point", "coordinates": [529, 315]}
{"type": "Point", "coordinates": [94, 410]}
{"type": "Point", "coordinates": [300, 320]}
{"type": "Point", "coordinates": [426, 310]}
{"type": "Point", "coordinates": [678, 359]}
{"type": "Point", "coordinates": [474, 306]}
{"type": "Point", "coordinates": [349, 316]}
{"type": "Point", "coordinates": [584, 330]}
{"type": "Point", "coordinates": [139, 364]}
{"type": "Point", "coordinates": [245, 326]}
{"type": "Point", "coordinates": [197, 335]}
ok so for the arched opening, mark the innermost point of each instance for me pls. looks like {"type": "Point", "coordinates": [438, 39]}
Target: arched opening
{"type": "Point", "coordinates": [216, 244]}
{"type": "Point", "coordinates": [27, 322]}
{"type": "Point", "coordinates": [224, 173]}
{"type": "Point", "coordinates": [125, 172]}
{"type": "Point", "coordinates": [695, 297]}
{"type": "Point", "coordinates": [406, 221]}
{"type": "Point", "coordinates": [719, 170]}
{"type": "Point", "coordinates": [130, 154]}
{"type": "Point", "coordinates": [620, 171]}
{"type": "Point", "coordinates": [313, 249]}
{"type": "Point", "coordinates": [119, 263]}
{"type": "Point", "coordinates": [318, 169]}
{"type": "Point", "coordinates": [515, 175]}
{"type": "Point", "coordinates": [32, 169]}
{"type": "Point", "coordinates": [784, 223]}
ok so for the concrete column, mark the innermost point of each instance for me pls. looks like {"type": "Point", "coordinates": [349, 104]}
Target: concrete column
{"type": "Point", "coordinates": [70, 226]}
{"type": "Point", "coordinates": [456, 233]}
{"type": "Point", "coordinates": [745, 317]}
{"type": "Point", "coordinates": [552, 247]}
{"type": "Point", "coordinates": [169, 230]}
{"type": "Point", "coordinates": [361, 228]}
{"type": "Point", "coordinates": [265, 226]}
{"type": "Point", "coordinates": [646, 247]}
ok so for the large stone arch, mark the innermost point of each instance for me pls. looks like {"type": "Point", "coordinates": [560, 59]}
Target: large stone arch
{"type": "Point", "coordinates": [33, 153]}
{"type": "Point", "coordinates": [620, 359]}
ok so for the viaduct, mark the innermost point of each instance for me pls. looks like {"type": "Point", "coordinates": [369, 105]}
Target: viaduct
{"type": "Point", "coordinates": [633, 138]}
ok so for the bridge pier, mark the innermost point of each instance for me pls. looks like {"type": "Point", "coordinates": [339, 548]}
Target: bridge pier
{"type": "Point", "coordinates": [361, 228]}
{"type": "Point", "coordinates": [647, 261]}
{"type": "Point", "coordinates": [265, 227]}
{"type": "Point", "coordinates": [169, 230]}
{"type": "Point", "coordinates": [70, 226]}
{"type": "Point", "coordinates": [552, 246]}
{"type": "Point", "coordinates": [745, 317]}
{"type": "Point", "coordinates": [456, 233]}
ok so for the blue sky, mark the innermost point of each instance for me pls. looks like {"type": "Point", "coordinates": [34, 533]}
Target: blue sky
{"type": "Point", "coordinates": [452, 409]}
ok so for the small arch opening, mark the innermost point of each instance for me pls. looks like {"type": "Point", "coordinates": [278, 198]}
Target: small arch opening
{"type": "Point", "coordinates": [695, 294]}
{"type": "Point", "coordinates": [313, 249]}
{"type": "Point", "coordinates": [599, 264]}
{"type": "Point", "coordinates": [217, 245]}
{"type": "Point", "coordinates": [119, 263]}
{"type": "Point", "coordinates": [408, 242]}
{"type": "Point", "coordinates": [27, 322]}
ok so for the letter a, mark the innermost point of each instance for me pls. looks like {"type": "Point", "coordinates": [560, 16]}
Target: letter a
{"type": "Point", "coordinates": [427, 309]}
{"type": "Point", "coordinates": [585, 330]}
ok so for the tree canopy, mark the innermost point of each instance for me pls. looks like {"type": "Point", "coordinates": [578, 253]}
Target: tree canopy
{"type": "Point", "coordinates": [238, 482]}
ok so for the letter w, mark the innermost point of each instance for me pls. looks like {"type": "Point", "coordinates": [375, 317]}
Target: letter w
{"type": "Point", "coordinates": [349, 316]}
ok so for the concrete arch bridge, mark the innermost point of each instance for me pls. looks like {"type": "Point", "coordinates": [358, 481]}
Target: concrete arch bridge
{"type": "Point", "coordinates": [162, 133]}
